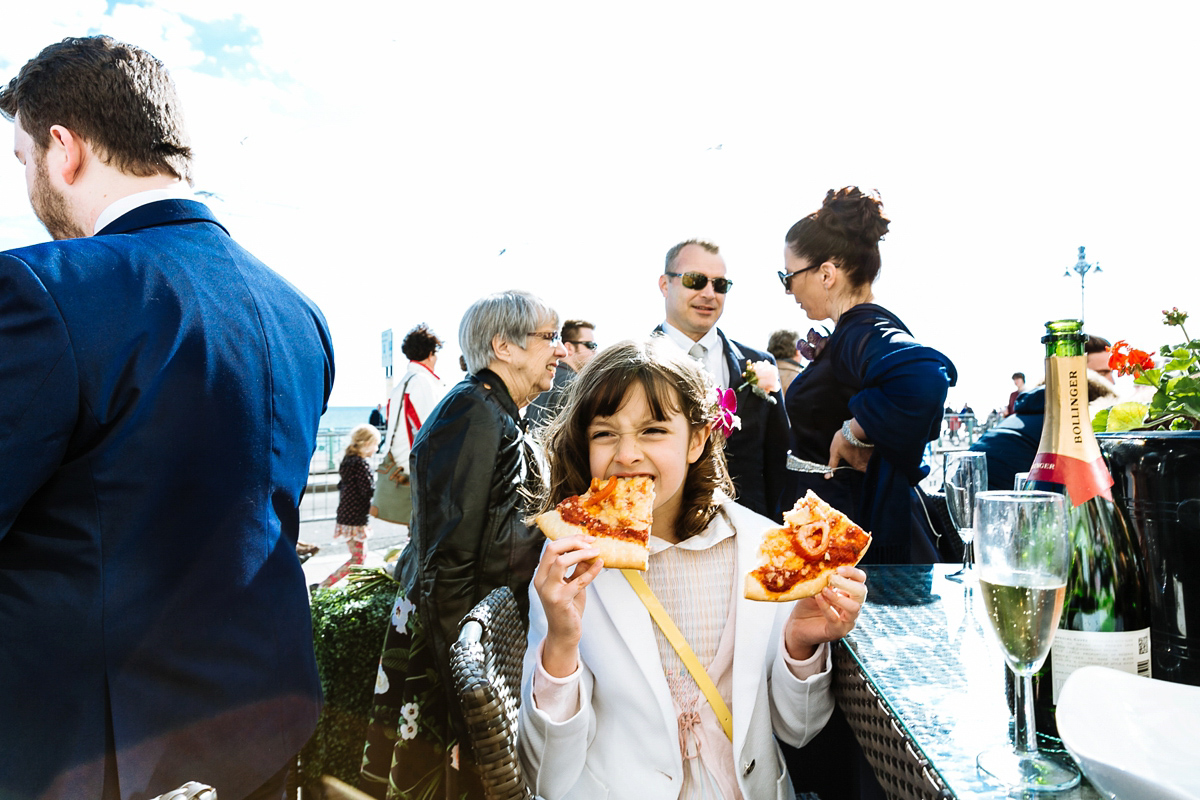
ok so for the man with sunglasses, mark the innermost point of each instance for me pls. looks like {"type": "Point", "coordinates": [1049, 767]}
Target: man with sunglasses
{"type": "Point", "coordinates": [579, 337]}
{"type": "Point", "coordinates": [694, 287]}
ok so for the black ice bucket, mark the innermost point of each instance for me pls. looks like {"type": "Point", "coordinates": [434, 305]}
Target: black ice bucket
{"type": "Point", "coordinates": [1156, 479]}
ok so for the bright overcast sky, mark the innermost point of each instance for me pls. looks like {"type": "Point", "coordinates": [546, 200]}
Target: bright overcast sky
{"type": "Point", "coordinates": [398, 160]}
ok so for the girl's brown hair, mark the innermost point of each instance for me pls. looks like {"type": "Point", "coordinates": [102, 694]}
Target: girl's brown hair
{"type": "Point", "coordinates": [673, 383]}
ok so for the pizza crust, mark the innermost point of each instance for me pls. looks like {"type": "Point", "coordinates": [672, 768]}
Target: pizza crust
{"type": "Point", "coordinates": [754, 590]}
{"type": "Point", "coordinates": [616, 553]}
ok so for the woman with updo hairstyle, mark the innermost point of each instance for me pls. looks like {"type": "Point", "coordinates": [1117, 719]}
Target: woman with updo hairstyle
{"type": "Point", "coordinates": [872, 397]}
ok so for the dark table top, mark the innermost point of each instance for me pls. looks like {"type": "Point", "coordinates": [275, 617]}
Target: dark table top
{"type": "Point", "coordinates": [922, 643]}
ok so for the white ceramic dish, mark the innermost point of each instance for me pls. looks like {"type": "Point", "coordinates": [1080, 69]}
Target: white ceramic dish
{"type": "Point", "coordinates": [1135, 738]}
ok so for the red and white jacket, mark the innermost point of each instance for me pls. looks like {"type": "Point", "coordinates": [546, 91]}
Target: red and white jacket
{"type": "Point", "coordinates": [409, 406]}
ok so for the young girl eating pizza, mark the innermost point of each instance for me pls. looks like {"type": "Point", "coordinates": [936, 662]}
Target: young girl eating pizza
{"type": "Point", "coordinates": [609, 707]}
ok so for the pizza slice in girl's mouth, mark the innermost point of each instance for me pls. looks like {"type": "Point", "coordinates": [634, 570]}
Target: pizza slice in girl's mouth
{"type": "Point", "coordinates": [617, 512]}
{"type": "Point", "coordinates": [798, 559]}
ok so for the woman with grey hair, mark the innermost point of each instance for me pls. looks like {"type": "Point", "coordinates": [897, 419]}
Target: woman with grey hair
{"type": "Point", "coordinates": [473, 468]}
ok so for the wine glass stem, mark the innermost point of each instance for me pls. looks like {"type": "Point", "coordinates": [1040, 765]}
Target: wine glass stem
{"type": "Point", "coordinates": [967, 536]}
{"type": "Point", "coordinates": [1025, 735]}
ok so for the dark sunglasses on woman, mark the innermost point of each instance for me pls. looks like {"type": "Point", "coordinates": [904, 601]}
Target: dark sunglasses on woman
{"type": "Point", "coordinates": [786, 277]}
{"type": "Point", "coordinates": [696, 281]}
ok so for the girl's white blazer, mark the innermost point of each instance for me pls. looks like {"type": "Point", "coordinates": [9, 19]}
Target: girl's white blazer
{"type": "Point", "coordinates": [624, 741]}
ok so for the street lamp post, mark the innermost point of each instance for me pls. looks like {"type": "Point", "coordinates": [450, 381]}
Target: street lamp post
{"type": "Point", "coordinates": [1082, 267]}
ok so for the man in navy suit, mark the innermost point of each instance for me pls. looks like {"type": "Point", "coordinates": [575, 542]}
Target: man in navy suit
{"type": "Point", "coordinates": [695, 287]}
{"type": "Point", "coordinates": [160, 390]}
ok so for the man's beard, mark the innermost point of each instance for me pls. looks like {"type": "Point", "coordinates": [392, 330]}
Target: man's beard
{"type": "Point", "coordinates": [51, 207]}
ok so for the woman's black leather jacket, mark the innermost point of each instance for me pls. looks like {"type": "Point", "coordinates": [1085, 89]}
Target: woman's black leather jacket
{"type": "Point", "coordinates": [474, 474]}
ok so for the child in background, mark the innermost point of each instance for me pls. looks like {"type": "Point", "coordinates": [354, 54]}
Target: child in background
{"type": "Point", "coordinates": [356, 486]}
{"type": "Point", "coordinates": [609, 709]}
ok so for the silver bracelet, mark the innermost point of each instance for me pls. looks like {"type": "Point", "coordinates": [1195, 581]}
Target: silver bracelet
{"type": "Point", "coordinates": [851, 438]}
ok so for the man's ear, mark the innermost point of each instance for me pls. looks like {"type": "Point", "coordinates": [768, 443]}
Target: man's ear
{"type": "Point", "coordinates": [662, 284]}
{"type": "Point", "coordinates": [68, 154]}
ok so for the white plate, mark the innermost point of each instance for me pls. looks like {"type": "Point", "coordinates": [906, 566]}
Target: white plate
{"type": "Point", "coordinates": [1134, 737]}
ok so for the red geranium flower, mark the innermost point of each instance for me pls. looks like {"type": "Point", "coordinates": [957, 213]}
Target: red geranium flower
{"type": "Point", "coordinates": [1130, 362]}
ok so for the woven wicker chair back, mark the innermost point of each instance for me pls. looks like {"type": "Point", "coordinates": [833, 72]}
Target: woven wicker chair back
{"type": "Point", "coordinates": [487, 676]}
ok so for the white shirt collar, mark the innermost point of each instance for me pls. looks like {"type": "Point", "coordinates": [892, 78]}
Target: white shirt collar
{"type": "Point", "coordinates": [717, 531]}
{"type": "Point", "coordinates": [710, 340]}
{"type": "Point", "coordinates": [122, 206]}
{"type": "Point", "coordinates": [714, 359]}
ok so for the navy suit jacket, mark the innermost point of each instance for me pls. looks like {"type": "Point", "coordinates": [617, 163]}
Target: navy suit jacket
{"type": "Point", "coordinates": [160, 390]}
{"type": "Point", "coordinates": [757, 452]}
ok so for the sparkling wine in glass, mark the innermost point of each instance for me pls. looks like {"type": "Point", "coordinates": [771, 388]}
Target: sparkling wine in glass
{"type": "Point", "coordinates": [965, 477]}
{"type": "Point", "coordinates": [1023, 555]}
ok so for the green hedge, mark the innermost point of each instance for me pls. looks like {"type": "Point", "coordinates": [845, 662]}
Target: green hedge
{"type": "Point", "coordinates": [349, 622]}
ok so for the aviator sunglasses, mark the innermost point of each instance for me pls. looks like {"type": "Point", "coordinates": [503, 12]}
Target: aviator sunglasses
{"type": "Point", "coordinates": [588, 345]}
{"type": "Point", "coordinates": [696, 281]}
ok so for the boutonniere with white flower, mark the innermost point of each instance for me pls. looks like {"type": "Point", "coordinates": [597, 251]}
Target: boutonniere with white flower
{"type": "Point", "coordinates": [762, 377]}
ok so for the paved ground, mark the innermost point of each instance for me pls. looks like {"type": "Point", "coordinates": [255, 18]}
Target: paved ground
{"type": "Point", "coordinates": [384, 537]}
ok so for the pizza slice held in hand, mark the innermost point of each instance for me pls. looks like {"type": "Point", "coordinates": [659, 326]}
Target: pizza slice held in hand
{"type": "Point", "coordinates": [798, 559]}
{"type": "Point", "coordinates": [617, 512]}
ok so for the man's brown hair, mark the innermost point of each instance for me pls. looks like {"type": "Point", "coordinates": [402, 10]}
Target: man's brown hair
{"type": "Point", "coordinates": [573, 326]}
{"type": "Point", "coordinates": [1095, 344]}
{"type": "Point", "coordinates": [674, 252]}
{"type": "Point", "coordinates": [117, 97]}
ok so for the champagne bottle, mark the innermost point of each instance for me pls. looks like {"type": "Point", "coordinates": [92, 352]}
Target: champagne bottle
{"type": "Point", "coordinates": [1106, 616]}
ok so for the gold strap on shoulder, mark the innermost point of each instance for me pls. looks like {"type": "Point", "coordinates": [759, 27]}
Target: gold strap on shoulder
{"type": "Point", "coordinates": [675, 637]}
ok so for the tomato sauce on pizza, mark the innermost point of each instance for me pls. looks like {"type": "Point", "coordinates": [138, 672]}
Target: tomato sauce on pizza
{"type": "Point", "coordinates": [617, 513]}
{"type": "Point", "coordinates": [798, 559]}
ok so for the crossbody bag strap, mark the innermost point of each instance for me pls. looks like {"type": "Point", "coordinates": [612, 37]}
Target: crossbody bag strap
{"type": "Point", "coordinates": [677, 640]}
{"type": "Point", "coordinates": [399, 411]}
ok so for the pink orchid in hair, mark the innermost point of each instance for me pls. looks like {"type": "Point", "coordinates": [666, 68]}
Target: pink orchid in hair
{"type": "Point", "coordinates": [724, 419]}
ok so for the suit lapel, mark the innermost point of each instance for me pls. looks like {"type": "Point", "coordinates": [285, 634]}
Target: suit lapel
{"type": "Point", "coordinates": [753, 642]}
{"type": "Point", "coordinates": [734, 360]}
{"type": "Point", "coordinates": [632, 621]}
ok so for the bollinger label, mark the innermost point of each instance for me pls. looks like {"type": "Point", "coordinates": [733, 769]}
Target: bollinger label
{"type": "Point", "coordinates": [1068, 453]}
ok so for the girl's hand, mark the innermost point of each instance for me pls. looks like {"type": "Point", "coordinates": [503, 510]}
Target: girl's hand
{"type": "Point", "coordinates": [826, 616]}
{"type": "Point", "coordinates": [841, 450]}
{"type": "Point", "coordinates": [566, 568]}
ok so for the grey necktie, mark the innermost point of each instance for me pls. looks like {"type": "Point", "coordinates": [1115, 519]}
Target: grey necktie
{"type": "Point", "coordinates": [698, 352]}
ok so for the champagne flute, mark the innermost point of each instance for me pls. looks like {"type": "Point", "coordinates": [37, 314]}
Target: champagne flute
{"type": "Point", "coordinates": [965, 477]}
{"type": "Point", "coordinates": [1023, 555]}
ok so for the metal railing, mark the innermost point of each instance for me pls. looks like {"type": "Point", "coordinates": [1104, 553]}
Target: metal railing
{"type": "Point", "coordinates": [321, 497]}
{"type": "Point", "coordinates": [958, 432]}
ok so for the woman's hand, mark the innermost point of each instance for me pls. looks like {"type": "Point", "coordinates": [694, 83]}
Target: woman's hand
{"type": "Point", "coordinates": [566, 568]}
{"type": "Point", "coordinates": [826, 616]}
{"type": "Point", "coordinates": [841, 450]}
